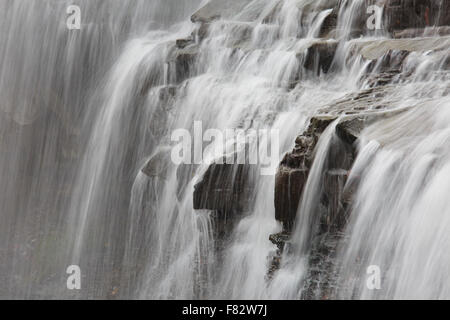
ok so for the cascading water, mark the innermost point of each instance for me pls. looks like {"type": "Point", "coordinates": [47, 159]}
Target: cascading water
{"type": "Point", "coordinates": [400, 217]}
{"type": "Point", "coordinates": [48, 87]}
{"type": "Point", "coordinates": [88, 118]}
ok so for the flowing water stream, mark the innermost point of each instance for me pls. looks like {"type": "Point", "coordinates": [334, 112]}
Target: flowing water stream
{"type": "Point", "coordinates": [84, 112]}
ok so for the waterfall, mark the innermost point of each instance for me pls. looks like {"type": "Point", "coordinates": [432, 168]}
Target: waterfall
{"type": "Point", "coordinates": [51, 88]}
{"type": "Point", "coordinates": [400, 221]}
{"type": "Point", "coordinates": [88, 179]}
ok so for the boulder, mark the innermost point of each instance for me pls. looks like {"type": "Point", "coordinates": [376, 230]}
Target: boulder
{"type": "Point", "coordinates": [280, 239]}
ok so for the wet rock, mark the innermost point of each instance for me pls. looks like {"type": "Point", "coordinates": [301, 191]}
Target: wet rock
{"type": "Point", "coordinates": [390, 62]}
{"type": "Point", "coordinates": [319, 56]}
{"type": "Point", "coordinates": [381, 79]}
{"type": "Point", "coordinates": [340, 158]}
{"type": "Point", "coordinates": [202, 31]}
{"type": "Point", "coordinates": [357, 111]}
{"type": "Point", "coordinates": [350, 130]}
{"type": "Point", "coordinates": [398, 16]}
{"type": "Point", "coordinates": [406, 14]}
{"type": "Point", "coordinates": [388, 58]}
{"type": "Point", "coordinates": [162, 113]}
{"type": "Point", "coordinates": [293, 172]}
{"type": "Point", "coordinates": [362, 103]}
{"type": "Point", "coordinates": [167, 93]}
{"type": "Point", "coordinates": [226, 188]}
{"type": "Point", "coordinates": [322, 277]}
{"type": "Point", "coordinates": [329, 24]}
{"type": "Point", "coordinates": [334, 218]}
{"type": "Point", "coordinates": [275, 263]}
{"type": "Point", "coordinates": [445, 62]}
{"type": "Point", "coordinates": [289, 184]}
{"type": "Point", "coordinates": [182, 63]}
{"type": "Point", "coordinates": [183, 43]}
{"type": "Point", "coordinates": [280, 239]}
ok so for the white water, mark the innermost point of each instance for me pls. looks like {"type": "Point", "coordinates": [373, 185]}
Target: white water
{"type": "Point", "coordinates": [136, 236]}
{"type": "Point", "coordinates": [400, 220]}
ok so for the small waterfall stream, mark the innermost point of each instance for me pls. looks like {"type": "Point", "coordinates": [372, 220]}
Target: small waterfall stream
{"type": "Point", "coordinates": [88, 179]}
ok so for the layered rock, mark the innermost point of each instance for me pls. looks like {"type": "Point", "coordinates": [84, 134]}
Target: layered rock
{"type": "Point", "coordinates": [293, 172]}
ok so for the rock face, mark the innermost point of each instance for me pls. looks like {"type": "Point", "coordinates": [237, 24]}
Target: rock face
{"type": "Point", "coordinates": [320, 55]}
{"type": "Point", "coordinates": [293, 173]}
{"type": "Point", "coordinates": [405, 14]}
{"type": "Point", "coordinates": [182, 62]}
{"type": "Point", "coordinates": [225, 188]}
